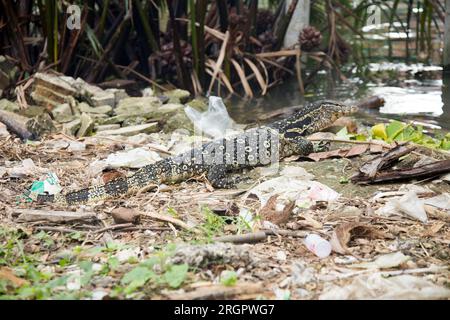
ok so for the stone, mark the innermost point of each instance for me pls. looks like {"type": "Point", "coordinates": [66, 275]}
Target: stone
{"type": "Point", "coordinates": [9, 105]}
{"type": "Point", "coordinates": [104, 98]}
{"type": "Point", "coordinates": [41, 124]}
{"type": "Point", "coordinates": [105, 127]}
{"type": "Point", "coordinates": [137, 106]}
{"type": "Point", "coordinates": [178, 121]}
{"type": "Point", "coordinates": [199, 104]}
{"type": "Point", "coordinates": [87, 125]}
{"type": "Point", "coordinates": [50, 91]}
{"type": "Point", "coordinates": [177, 95]}
{"type": "Point", "coordinates": [70, 128]}
{"type": "Point", "coordinates": [32, 111]}
{"type": "Point", "coordinates": [132, 130]}
{"type": "Point", "coordinates": [62, 113]}
{"type": "Point", "coordinates": [113, 120]}
{"type": "Point", "coordinates": [132, 121]}
{"type": "Point", "coordinates": [119, 94]}
{"type": "Point", "coordinates": [84, 107]}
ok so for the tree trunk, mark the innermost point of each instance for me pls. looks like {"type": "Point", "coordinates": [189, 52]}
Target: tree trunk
{"type": "Point", "coordinates": [299, 20]}
{"type": "Point", "coordinates": [447, 37]}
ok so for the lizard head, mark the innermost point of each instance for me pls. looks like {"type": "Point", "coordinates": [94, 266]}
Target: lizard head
{"type": "Point", "coordinates": [330, 111]}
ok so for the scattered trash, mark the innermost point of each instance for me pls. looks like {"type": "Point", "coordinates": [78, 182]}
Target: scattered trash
{"type": "Point", "coordinates": [317, 245]}
{"type": "Point", "coordinates": [281, 255]}
{"type": "Point", "coordinates": [26, 168]}
{"type": "Point", "coordinates": [215, 121]}
{"type": "Point", "coordinates": [302, 273]}
{"type": "Point", "coordinates": [376, 286]}
{"type": "Point", "coordinates": [50, 185]}
{"type": "Point", "coordinates": [134, 158]}
{"type": "Point", "coordinates": [303, 192]}
{"type": "Point", "coordinates": [441, 201]}
{"type": "Point", "coordinates": [409, 204]}
{"type": "Point", "coordinates": [390, 260]}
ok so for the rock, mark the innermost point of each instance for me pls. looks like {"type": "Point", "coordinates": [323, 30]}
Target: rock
{"type": "Point", "coordinates": [135, 106]}
{"type": "Point", "coordinates": [125, 215]}
{"type": "Point", "coordinates": [84, 107]}
{"type": "Point", "coordinates": [87, 125]}
{"type": "Point", "coordinates": [104, 98]}
{"type": "Point", "coordinates": [177, 95]}
{"type": "Point", "coordinates": [113, 120]}
{"type": "Point", "coordinates": [132, 130]}
{"type": "Point", "coordinates": [50, 91]}
{"type": "Point", "coordinates": [62, 113]}
{"type": "Point", "coordinates": [178, 121]}
{"type": "Point", "coordinates": [32, 111]}
{"type": "Point", "coordinates": [71, 127]}
{"type": "Point", "coordinates": [9, 105]}
{"type": "Point", "coordinates": [76, 146]}
{"type": "Point", "coordinates": [199, 104]}
{"type": "Point", "coordinates": [41, 124]}
{"type": "Point", "coordinates": [133, 121]}
{"type": "Point", "coordinates": [107, 127]}
{"type": "Point", "coordinates": [119, 94]}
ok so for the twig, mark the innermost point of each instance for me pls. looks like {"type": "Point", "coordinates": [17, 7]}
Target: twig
{"type": "Point", "coordinates": [169, 219]}
{"type": "Point", "coordinates": [389, 273]}
{"type": "Point", "coordinates": [372, 142]}
{"type": "Point", "coordinates": [57, 229]}
{"type": "Point", "coordinates": [114, 227]}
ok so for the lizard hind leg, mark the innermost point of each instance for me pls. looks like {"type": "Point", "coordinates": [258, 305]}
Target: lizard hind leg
{"type": "Point", "coordinates": [217, 176]}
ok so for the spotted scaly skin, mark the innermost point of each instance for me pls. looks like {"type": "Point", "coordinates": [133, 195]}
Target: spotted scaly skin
{"type": "Point", "coordinates": [216, 159]}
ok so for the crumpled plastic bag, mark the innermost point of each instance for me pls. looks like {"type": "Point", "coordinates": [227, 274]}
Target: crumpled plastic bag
{"type": "Point", "coordinates": [376, 286]}
{"type": "Point", "coordinates": [384, 261]}
{"type": "Point", "coordinates": [134, 158]}
{"type": "Point", "coordinates": [304, 192]}
{"type": "Point", "coordinates": [215, 121]}
{"type": "Point", "coordinates": [409, 204]}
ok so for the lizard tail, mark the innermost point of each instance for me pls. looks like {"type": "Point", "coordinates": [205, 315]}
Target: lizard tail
{"type": "Point", "coordinates": [109, 190]}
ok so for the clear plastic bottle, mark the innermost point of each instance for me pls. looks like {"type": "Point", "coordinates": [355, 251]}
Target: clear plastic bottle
{"type": "Point", "coordinates": [318, 245]}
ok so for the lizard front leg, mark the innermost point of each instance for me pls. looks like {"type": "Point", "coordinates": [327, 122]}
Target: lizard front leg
{"type": "Point", "coordinates": [297, 145]}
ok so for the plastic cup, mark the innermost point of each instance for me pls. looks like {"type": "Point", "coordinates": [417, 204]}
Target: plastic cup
{"type": "Point", "coordinates": [318, 245]}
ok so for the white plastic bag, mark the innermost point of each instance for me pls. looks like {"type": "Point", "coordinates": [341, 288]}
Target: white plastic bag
{"type": "Point", "coordinates": [213, 122]}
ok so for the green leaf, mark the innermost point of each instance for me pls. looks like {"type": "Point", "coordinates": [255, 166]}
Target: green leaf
{"type": "Point", "coordinates": [136, 278]}
{"type": "Point", "coordinates": [394, 130]}
{"type": "Point", "coordinates": [228, 278]}
{"type": "Point", "coordinates": [343, 134]}
{"type": "Point", "coordinates": [176, 275]}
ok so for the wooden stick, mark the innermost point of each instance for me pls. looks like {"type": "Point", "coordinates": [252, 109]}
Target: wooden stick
{"type": "Point", "coordinates": [58, 229]}
{"type": "Point", "coordinates": [169, 219]}
{"type": "Point", "coordinates": [115, 227]}
{"type": "Point", "coordinates": [428, 170]}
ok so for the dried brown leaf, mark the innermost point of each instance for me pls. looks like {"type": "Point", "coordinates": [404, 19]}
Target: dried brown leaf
{"type": "Point", "coordinates": [8, 274]}
{"type": "Point", "coordinates": [269, 212]}
{"type": "Point", "coordinates": [345, 232]}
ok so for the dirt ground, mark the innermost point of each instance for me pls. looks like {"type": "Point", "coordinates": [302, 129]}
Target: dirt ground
{"type": "Point", "coordinates": [156, 258]}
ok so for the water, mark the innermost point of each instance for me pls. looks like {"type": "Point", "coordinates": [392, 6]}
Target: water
{"type": "Point", "coordinates": [419, 96]}
{"type": "Point", "coordinates": [412, 91]}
